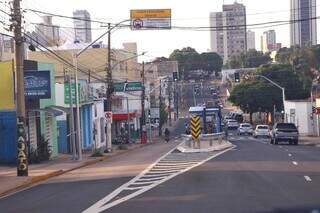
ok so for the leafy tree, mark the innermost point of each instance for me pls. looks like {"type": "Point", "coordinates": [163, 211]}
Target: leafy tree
{"type": "Point", "coordinates": [210, 62]}
{"type": "Point", "coordinates": [258, 95]}
{"type": "Point", "coordinates": [251, 59]}
{"type": "Point", "coordinates": [189, 60]}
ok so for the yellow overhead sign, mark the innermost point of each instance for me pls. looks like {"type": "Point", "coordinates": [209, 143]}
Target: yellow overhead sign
{"type": "Point", "coordinates": [152, 13]}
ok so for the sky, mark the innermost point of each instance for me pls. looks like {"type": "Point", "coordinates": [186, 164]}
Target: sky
{"type": "Point", "coordinates": [163, 42]}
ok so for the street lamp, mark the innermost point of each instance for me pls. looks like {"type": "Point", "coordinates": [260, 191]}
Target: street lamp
{"type": "Point", "coordinates": [277, 85]}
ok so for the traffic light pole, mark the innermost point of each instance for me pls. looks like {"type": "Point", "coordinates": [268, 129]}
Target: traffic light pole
{"type": "Point", "coordinates": [160, 106]}
{"type": "Point", "coordinates": [143, 115]}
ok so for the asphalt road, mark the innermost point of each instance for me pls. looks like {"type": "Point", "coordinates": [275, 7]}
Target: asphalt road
{"type": "Point", "coordinates": [253, 177]}
{"type": "Point", "coordinates": [191, 98]}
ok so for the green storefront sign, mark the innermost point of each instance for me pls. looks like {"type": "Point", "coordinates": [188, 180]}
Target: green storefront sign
{"type": "Point", "coordinates": [82, 93]}
{"type": "Point", "coordinates": [127, 86]}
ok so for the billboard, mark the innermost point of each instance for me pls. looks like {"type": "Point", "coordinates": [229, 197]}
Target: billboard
{"type": "Point", "coordinates": [150, 19]}
{"type": "Point", "coordinates": [6, 86]}
{"type": "Point", "coordinates": [37, 84]}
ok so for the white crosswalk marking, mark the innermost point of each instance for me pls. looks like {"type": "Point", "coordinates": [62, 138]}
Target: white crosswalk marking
{"type": "Point", "coordinates": [166, 168]}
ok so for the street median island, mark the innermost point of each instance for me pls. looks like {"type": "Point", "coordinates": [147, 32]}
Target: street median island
{"type": "Point", "coordinates": [206, 143]}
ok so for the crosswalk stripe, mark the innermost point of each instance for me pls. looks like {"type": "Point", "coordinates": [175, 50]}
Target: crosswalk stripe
{"type": "Point", "coordinates": [166, 168]}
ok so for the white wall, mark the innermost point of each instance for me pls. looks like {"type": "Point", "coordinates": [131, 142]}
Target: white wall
{"type": "Point", "coordinates": [98, 121]}
{"type": "Point", "coordinates": [298, 112]}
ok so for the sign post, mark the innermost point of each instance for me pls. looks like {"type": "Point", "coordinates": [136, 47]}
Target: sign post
{"type": "Point", "coordinates": [108, 116]}
{"type": "Point", "coordinates": [195, 129]}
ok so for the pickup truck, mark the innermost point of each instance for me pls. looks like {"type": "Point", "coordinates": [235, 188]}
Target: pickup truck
{"type": "Point", "coordinates": [287, 132]}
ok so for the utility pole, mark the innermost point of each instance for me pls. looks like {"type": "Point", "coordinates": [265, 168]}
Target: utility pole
{"type": "Point", "coordinates": [160, 106]}
{"type": "Point", "coordinates": [71, 117]}
{"type": "Point", "coordinates": [22, 165]}
{"type": "Point", "coordinates": [109, 92]}
{"type": "Point", "coordinates": [170, 97]}
{"type": "Point", "coordinates": [143, 115]}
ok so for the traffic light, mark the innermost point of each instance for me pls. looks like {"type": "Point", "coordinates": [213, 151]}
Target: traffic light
{"type": "Point", "coordinates": [237, 77]}
{"type": "Point", "coordinates": [175, 76]}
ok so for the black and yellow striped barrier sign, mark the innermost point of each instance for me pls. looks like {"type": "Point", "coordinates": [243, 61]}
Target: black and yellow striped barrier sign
{"type": "Point", "coordinates": [195, 127]}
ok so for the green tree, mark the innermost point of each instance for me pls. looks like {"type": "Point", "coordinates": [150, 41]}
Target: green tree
{"type": "Point", "coordinates": [251, 59]}
{"type": "Point", "coordinates": [258, 95]}
{"type": "Point", "coordinates": [188, 59]}
{"type": "Point", "coordinates": [210, 62]}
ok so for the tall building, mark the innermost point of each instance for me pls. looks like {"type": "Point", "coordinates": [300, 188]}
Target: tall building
{"type": "Point", "coordinates": [303, 30]}
{"type": "Point", "coordinates": [46, 33]}
{"type": "Point", "coordinates": [216, 35]}
{"type": "Point", "coordinates": [251, 40]}
{"type": "Point", "coordinates": [229, 26]}
{"type": "Point", "coordinates": [268, 40]}
{"type": "Point", "coordinates": [235, 36]}
{"type": "Point", "coordinates": [82, 25]}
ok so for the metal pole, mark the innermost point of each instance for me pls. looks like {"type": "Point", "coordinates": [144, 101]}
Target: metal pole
{"type": "Point", "coordinates": [79, 142]}
{"type": "Point", "coordinates": [143, 115]}
{"type": "Point", "coordinates": [128, 120]}
{"type": "Point", "coordinates": [160, 105]}
{"type": "Point", "coordinates": [194, 97]}
{"type": "Point", "coordinates": [109, 92]}
{"type": "Point", "coordinates": [176, 95]}
{"type": "Point", "coordinates": [170, 97]}
{"type": "Point", "coordinates": [72, 138]}
{"type": "Point", "coordinates": [22, 165]}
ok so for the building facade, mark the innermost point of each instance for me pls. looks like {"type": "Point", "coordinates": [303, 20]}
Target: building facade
{"type": "Point", "coordinates": [216, 35]}
{"type": "Point", "coordinates": [82, 25]}
{"type": "Point", "coordinates": [229, 34]}
{"type": "Point", "coordinates": [235, 33]}
{"type": "Point", "coordinates": [268, 41]}
{"type": "Point", "coordinates": [46, 33]}
{"type": "Point", "coordinates": [303, 30]}
{"type": "Point", "coordinates": [251, 40]}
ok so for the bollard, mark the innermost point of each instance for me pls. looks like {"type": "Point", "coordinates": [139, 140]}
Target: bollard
{"type": "Point", "coordinates": [211, 142]}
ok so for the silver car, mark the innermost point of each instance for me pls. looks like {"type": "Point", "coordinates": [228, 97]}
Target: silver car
{"type": "Point", "coordinates": [262, 131]}
{"type": "Point", "coordinates": [245, 129]}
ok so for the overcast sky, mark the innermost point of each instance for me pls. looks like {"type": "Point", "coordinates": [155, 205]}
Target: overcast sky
{"type": "Point", "coordinates": [184, 13]}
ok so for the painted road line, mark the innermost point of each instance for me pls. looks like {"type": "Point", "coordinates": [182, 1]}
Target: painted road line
{"type": "Point", "coordinates": [307, 178]}
{"type": "Point", "coordinates": [121, 194]}
{"type": "Point", "coordinates": [287, 150]}
{"type": "Point", "coordinates": [280, 147]}
{"type": "Point", "coordinates": [295, 163]}
{"type": "Point", "coordinates": [290, 155]}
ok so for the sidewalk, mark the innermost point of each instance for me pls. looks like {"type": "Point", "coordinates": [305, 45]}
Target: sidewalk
{"type": "Point", "coordinates": [9, 182]}
{"type": "Point", "coordinates": [310, 141]}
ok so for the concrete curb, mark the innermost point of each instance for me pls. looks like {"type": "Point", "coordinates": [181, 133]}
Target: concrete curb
{"type": "Point", "coordinates": [211, 149]}
{"type": "Point", "coordinates": [40, 178]}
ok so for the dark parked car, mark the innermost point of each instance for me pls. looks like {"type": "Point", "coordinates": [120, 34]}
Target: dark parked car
{"type": "Point", "coordinates": [286, 132]}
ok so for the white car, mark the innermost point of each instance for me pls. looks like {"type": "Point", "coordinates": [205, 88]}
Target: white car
{"type": "Point", "coordinates": [245, 129]}
{"type": "Point", "coordinates": [262, 131]}
{"type": "Point", "coordinates": [232, 124]}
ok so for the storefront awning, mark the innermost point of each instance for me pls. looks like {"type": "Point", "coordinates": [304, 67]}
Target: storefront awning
{"type": "Point", "coordinates": [123, 116]}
